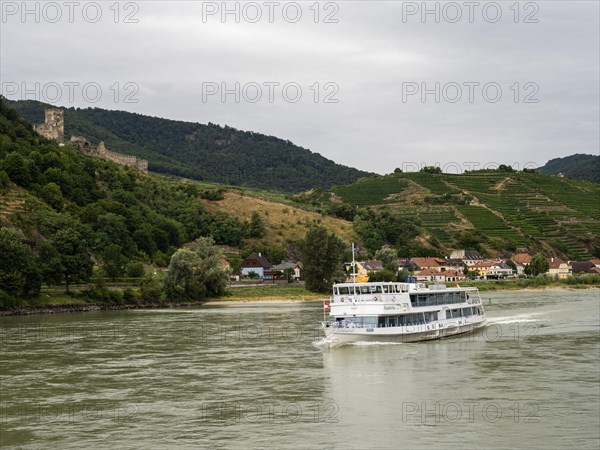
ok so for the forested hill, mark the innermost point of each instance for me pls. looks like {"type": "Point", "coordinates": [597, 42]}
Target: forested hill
{"type": "Point", "coordinates": [580, 166]}
{"type": "Point", "coordinates": [202, 152]}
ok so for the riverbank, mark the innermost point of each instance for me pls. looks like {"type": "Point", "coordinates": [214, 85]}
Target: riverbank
{"type": "Point", "coordinates": [535, 284]}
{"type": "Point", "coordinates": [247, 296]}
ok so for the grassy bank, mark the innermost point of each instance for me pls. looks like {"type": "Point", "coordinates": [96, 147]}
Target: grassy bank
{"type": "Point", "coordinates": [584, 282]}
{"type": "Point", "coordinates": [283, 292]}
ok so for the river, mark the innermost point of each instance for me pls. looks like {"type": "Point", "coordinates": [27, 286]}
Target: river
{"type": "Point", "coordinates": [241, 376]}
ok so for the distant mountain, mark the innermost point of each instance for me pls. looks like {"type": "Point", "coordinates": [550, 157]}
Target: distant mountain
{"type": "Point", "coordinates": [580, 166]}
{"type": "Point", "coordinates": [202, 152]}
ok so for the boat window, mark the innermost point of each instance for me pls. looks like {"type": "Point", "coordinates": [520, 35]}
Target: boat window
{"type": "Point", "coordinates": [364, 290]}
{"type": "Point", "coordinates": [344, 290]}
{"type": "Point", "coordinates": [385, 288]}
{"type": "Point", "coordinates": [376, 289]}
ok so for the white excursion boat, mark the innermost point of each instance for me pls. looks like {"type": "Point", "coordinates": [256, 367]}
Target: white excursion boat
{"type": "Point", "coordinates": [401, 312]}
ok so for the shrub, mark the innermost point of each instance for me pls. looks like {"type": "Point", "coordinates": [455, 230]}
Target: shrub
{"type": "Point", "coordinates": [135, 269]}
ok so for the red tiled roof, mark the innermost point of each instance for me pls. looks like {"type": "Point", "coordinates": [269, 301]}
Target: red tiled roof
{"type": "Point", "coordinates": [425, 262]}
{"type": "Point", "coordinates": [255, 260]}
{"type": "Point", "coordinates": [555, 263]}
{"type": "Point", "coordinates": [521, 258]}
{"type": "Point", "coordinates": [430, 271]}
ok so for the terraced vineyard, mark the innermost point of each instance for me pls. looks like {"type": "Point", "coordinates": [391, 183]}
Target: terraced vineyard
{"type": "Point", "coordinates": [372, 190]}
{"type": "Point", "coordinates": [512, 209]}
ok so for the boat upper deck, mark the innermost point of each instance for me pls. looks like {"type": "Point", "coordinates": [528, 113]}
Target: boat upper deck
{"type": "Point", "coordinates": [354, 289]}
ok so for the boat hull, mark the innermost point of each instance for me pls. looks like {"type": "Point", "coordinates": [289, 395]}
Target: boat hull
{"type": "Point", "coordinates": [339, 336]}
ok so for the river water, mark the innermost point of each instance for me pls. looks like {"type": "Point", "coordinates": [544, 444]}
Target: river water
{"type": "Point", "coordinates": [259, 376]}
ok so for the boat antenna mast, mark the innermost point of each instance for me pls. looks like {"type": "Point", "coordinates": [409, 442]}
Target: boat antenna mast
{"type": "Point", "coordinates": [353, 266]}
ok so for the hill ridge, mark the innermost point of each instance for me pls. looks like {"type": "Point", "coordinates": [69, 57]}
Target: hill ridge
{"type": "Point", "coordinates": [204, 152]}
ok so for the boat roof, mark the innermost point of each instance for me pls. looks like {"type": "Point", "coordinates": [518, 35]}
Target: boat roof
{"type": "Point", "coordinates": [431, 288]}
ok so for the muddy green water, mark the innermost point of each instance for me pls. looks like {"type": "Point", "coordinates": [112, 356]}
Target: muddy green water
{"type": "Point", "coordinates": [259, 376]}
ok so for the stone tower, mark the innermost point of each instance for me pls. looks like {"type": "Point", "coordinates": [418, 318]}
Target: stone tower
{"type": "Point", "coordinates": [54, 125]}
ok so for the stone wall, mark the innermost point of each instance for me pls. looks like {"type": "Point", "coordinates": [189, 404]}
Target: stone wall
{"type": "Point", "coordinates": [53, 128]}
{"type": "Point", "coordinates": [126, 160]}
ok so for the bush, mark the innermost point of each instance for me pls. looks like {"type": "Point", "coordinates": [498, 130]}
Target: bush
{"type": "Point", "coordinates": [7, 301]}
{"type": "Point", "coordinates": [213, 194]}
{"type": "Point", "coordinates": [115, 296]}
{"type": "Point", "coordinates": [135, 269]}
{"type": "Point", "coordinates": [382, 275]}
{"type": "Point", "coordinates": [151, 289]}
{"type": "Point", "coordinates": [130, 296]}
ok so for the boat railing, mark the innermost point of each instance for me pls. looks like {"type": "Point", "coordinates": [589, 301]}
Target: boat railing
{"type": "Point", "coordinates": [346, 325]}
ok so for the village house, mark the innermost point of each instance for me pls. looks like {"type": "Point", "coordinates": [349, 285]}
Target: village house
{"type": "Point", "coordinates": [430, 274]}
{"type": "Point", "coordinates": [406, 264]}
{"type": "Point", "coordinates": [595, 262]}
{"type": "Point", "coordinates": [440, 277]}
{"type": "Point", "coordinates": [451, 264]}
{"type": "Point", "coordinates": [372, 265]}
{"type": "Point", "coordinates": [454, 275]}
{"type": "Point", "coordinates": [256, 263]}
{"type": "Point", "coordinates": [522, 259]}
{"type": "Point", "coordinates": [559, 268]}
{"type": "Point", "coordinates": [469, 257]}
{"type": "Point", "coordinates": [581, 266]}
{"type": "Point", "coordinates": [499, 271]}
{"type": "Point", "coordinates": [288, 265]}
{"type": "Point", "coordinates": [426, 263]}
{"type": "Point", "coordinates": [482, 268]}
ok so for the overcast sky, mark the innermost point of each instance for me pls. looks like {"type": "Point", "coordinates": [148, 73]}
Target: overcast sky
{"type": "Point", "coordinates": [515, 85]}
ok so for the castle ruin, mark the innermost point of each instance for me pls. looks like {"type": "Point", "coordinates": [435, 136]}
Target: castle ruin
{"type": "Point", "coordinates": [53, 128]}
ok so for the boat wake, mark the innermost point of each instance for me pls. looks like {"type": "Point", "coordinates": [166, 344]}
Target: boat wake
{"type": "Point", "coordinates": [370, 343]}
{"type": "Point", "coordinates": [520, 318]}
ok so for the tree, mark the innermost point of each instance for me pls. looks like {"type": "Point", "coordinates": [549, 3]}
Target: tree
{"type": "Point", "coordinates": [151, 288]}
{"type": "Point", "coordinates": [16, 168]}
{"type": "Point", "coordinates": [114, 262]}
{"type": "Point", "coordinates": [74, 256]}
{"type": "Point", "coordinates": [382, 275]}
{"type": "Point", "coordinates": [431, 169]}
{"type": "Point", "coordinates": [505, 168]}
{"type": "Point", "coordinates": [288, 274]}
{"type": "Point", "coordinates": [403, 274]}
{"type": "Point", "coordinates": [52, 195]}
{"type": "Point", "coordinates": [537, 266]}
{"type": "Point", "coordinates": [14, 263]}
{"type": "Point", "coordinates": [256, 228]}
{"type": "Point", "coordinates": [322, 254]}
{"type": "Point", "coordinates": [4, 181]}
{"type": "Point", "coordinates": [388, 257]}
{"type": "Point", "coordinates": [196, 273]}
{"type": "Point", "coordinates": [135, 269]}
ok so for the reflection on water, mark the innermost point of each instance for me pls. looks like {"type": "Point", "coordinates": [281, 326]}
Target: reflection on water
{"type": "Point", "coordinates": [252, 376]}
